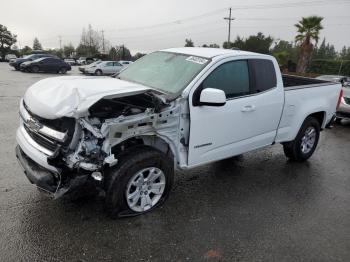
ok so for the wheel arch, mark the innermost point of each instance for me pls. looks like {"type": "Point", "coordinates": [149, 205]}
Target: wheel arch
{"type": "Point", "coordinates": [319, 116]}
{"type": "Point", "coordinates": [151, 141]}
{"type": "Point", "coordinates": [295, 122]}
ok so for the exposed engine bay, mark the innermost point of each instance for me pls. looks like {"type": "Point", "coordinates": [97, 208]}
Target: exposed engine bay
{"type": "Point", "coordinates": [94, 142]}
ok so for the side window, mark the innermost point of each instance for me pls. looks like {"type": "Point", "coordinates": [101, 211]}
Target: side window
{"type": "Point", "coordinates": [231, 77]}
{"type": "Point", "coordinates": [117, 64]}
{"type": "Point", "coordinates": [109, 64]}
{"type": "Point", "coordinates": [264, 75]}
{"type": "Point", "coordinates": [51, 60]}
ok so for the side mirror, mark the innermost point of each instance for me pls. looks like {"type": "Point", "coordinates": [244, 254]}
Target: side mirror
{"type": "Point", "coordinates": [212, 97]}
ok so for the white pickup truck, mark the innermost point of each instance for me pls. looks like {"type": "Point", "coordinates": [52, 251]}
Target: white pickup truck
{"type": "Point", "coordinates": [175, 108]}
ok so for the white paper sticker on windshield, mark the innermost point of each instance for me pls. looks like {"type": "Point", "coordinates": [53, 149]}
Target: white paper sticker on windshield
{"type": "Point", "coordinates": [197, 60]}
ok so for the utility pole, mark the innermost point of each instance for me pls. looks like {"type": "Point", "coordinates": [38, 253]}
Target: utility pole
{"type": "Point", "coordinates": [60, 39]}
{"type": "Point", "coordinates": [103, 41]}
{"type": "Point", "coordinates": [229, 26]}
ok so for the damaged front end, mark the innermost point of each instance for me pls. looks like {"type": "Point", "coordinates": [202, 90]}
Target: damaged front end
{"type": "Point", "coordinates": [60, 155]}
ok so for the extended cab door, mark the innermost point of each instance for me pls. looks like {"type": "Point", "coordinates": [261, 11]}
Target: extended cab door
{"type": "Point", "coordinates": [248, 120]}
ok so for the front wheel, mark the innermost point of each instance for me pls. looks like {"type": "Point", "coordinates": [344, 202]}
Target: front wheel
{"type": "Point", "coordinates": [304, 145]}
{"type": "Point", "coordinates": [35, 69]}
{"type": "Point", "coordinates": [141, 182]}
{"type": "Point", "coordinates": [98, 72]}
{"type": "Point", "coordinates": [62, 70]}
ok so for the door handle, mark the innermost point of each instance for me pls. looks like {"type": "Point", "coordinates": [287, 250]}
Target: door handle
{"type": "Point", "coordinates": [248, 108]}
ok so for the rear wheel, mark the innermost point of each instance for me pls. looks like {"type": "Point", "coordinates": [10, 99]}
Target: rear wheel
{"type": "Point", "coordinates": [35, 69]}
{"type": "Point", "coordinates": [62, 70]}
{"type": "Point", "coordinates": [304, 145]}
{"type": "Point", "coordinates": [98, 72]}
{"type": "Point", "coordinates": [141, 182]}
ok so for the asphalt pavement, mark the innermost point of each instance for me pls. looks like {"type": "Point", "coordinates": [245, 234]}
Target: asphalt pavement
{"type": "Point", "coordinates": [258, 207]}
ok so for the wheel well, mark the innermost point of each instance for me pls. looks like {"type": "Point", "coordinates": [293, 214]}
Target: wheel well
{"type": "Point", "coordinates": [149, 141]}
{"type": "Point", "coordinates": [319, 116]}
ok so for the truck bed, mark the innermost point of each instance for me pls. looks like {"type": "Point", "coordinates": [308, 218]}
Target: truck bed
{"type": "Point", "coordinates": [291, 82]}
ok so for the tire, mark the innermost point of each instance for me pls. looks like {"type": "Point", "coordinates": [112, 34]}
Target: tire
{"type": "Point", "coordinates": [131, 178]}
{"type": "Point", "coordinates": [35, 69]}
{"type": "Point", "coordinates": [338, 121]}
{"type": "Point", "coordinates": [98, 72]}
{"type": "Point", "coordinates": [305, 143]}
{"type": "Point", "coordinates": [62, 70]}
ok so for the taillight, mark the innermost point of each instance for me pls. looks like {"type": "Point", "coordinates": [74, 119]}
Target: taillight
{"type": "Point", "coordinates": [340, 97]}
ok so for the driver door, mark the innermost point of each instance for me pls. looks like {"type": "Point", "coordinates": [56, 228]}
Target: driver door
{"type": "Point", "coordinates": [248, 120]}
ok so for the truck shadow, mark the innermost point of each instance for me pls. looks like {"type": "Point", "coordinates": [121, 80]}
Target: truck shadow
{"type": "Point", "coordinates": [250, 191]}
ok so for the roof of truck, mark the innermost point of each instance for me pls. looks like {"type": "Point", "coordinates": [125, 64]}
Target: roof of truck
{"type": "Point", "coordinates": [207, 52]}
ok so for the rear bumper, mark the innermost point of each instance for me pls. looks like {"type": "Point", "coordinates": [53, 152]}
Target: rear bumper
{"type": "Point", "coordinates": [343, 115]}
{"type": "Point", "coordinates": [344, 109]}
{"type": "Point", "coordinates": [15, 65]}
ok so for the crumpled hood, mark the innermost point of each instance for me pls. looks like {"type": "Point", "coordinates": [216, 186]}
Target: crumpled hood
{"type": "Point", "coordinates": [72, 96]}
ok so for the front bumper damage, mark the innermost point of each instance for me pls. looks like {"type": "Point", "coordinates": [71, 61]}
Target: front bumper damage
{"type": "Point", "coordinates": [59, 161]}
{"type": "Point", "coordinates": [36, 174]}
{"type": "Point", "coordinates": [35, 158]}
{"type": "Point", "coordinates": [51, 182]}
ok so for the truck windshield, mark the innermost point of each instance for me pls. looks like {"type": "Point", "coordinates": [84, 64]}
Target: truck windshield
{"type": "Point", "coordinates": [165, 71]}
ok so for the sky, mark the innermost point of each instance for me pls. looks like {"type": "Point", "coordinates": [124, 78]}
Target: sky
{"type": "Point", "coordinates": [149, 25]}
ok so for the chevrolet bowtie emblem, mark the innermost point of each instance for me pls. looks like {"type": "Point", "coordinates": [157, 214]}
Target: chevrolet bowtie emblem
{"type": "Point", "coordinates": [33, 124]}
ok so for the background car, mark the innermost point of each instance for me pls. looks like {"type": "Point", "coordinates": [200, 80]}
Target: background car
{"type": "Point", "coordinates": [17, 62]}
{"type": "Point", "coordinates": [105, 68]}
{"type": "Point", "coordinates": [344, 80]}
{"type": "Point", "coordinates": [9, 57]}
{"type": "Point", "coordinates": [125, 63]}
{"type": "Point", "coordinates": [70, 61]}
{"type": "Point", "coordinates": [343, 111]}
{"type": "Point", "coordinates": [81, 61]}
{"type": "Point", "coordinates": [46, 64]}
{"type": "Point", "coordinates": [83, 67]}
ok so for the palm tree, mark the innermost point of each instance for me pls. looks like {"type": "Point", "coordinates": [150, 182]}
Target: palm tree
{"type": "Point", "coordinates": [308, 31]}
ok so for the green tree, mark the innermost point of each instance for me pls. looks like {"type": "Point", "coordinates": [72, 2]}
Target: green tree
{"type": "Point", "coordinates": [308, 29]}
{"type": "Point", "coordinates": [7, 39]}
{"type": "Point", "coordinates": [259, 43]}
{"type": "Point", "coordinates": [255, 43]}
{"type": "Point", "coordinates": [90, 42]}
{"type": "Point", "coordinates": [189, 43]}
{"type": "Point", "coordinates": [137, 56]}
{"type": "Point", "coordinates": [282, 59]}
{"type": "Point", "coordinates": [113, 54]}
{"type": "Point", "coordinates": [68, 50]}
{"type": "Point", "coordinates": [26, 50]}
{"type": "Point", "coordinates": [345, 53]}
{"type": "Point", "coordinates": [123, 53]}
{"type": "Point", "coordinates": [37, 45]}
{"type": "Point", "coordinates": [211, 45]}
{"type": "Point", "coordinates": [325, 51]}
{"type": "Point", "coordinates": [285, 46]}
